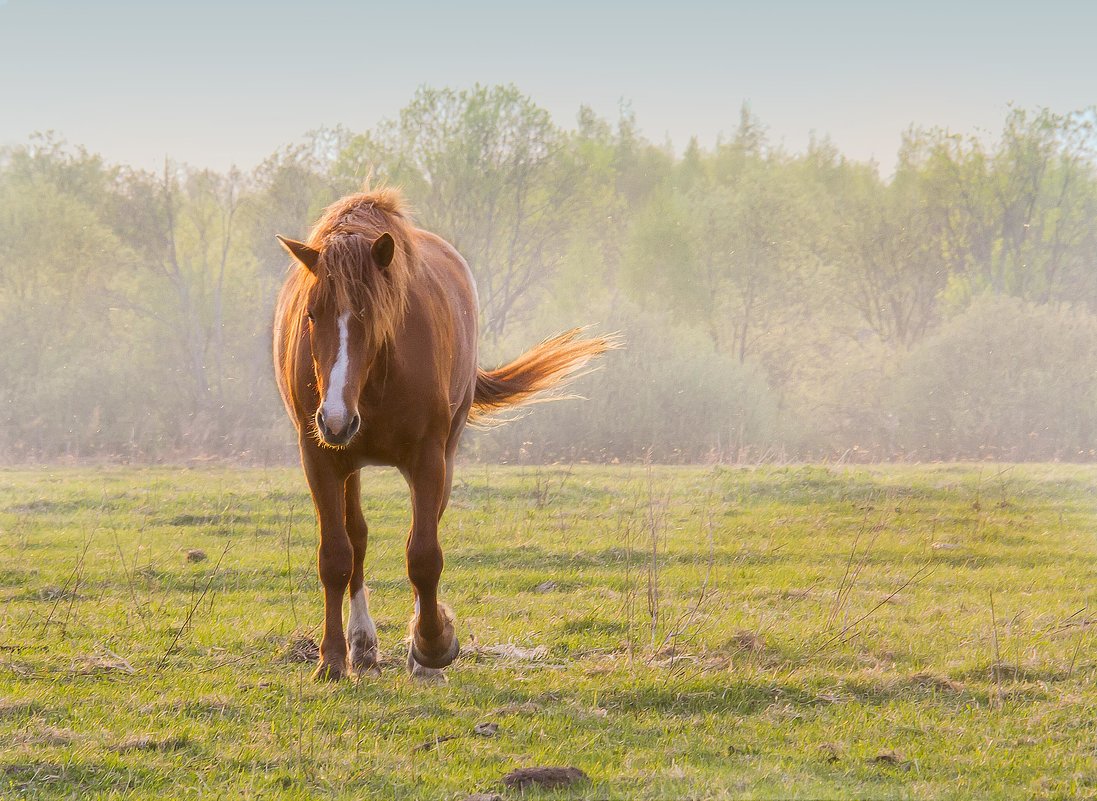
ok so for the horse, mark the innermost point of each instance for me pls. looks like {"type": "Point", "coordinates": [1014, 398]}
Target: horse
{"type": "Point", "coordinates": [375, 354]}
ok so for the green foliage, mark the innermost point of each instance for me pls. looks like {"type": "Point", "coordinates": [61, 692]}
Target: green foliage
{"type": "Point", "coordinates": [668, 396]}
{"type": "Point", "coordinates": [59, 273]}
{"type": "Point", "coordinates": [489, 171]}
{"type": "Point", "coordinates": [773, 302]}
{"type": "Point", "coordinates": [1007, 379]}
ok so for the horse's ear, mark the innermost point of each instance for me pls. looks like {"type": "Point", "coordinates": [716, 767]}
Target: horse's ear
{"type": "Point", "coordinates": [383, 250]}
{"type": "Point", "coordinates": [308, 257]}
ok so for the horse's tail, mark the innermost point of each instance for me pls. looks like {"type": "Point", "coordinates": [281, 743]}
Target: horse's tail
{"type": "Point", "coordinates": [549, 365]}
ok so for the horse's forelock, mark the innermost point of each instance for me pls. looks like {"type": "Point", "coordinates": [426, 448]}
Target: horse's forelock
{"type": "Point", "coordinates": [344, 236]}
{"type": "Point", "coordinates": [344, 269]}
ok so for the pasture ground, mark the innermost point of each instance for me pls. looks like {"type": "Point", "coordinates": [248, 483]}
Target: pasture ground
{"type": "Point", "coordinates": [799, 632]}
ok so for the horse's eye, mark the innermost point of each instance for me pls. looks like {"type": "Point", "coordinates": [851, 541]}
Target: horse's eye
{"type": "Point", "coordinates": [309, 316]}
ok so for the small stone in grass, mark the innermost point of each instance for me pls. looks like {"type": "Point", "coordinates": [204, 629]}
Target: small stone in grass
{"type": "Point", "coordinates": [196, 555]}
{"type": "Point", "coordinates": [545, 586]}
{"type": "Point", "coordinates": [486, 729]}
{"type": "Point", "coordinates": [547, 777]}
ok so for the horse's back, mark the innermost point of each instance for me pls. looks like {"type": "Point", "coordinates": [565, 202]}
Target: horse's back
{"type": "Point", "coordinates": [447, 279]}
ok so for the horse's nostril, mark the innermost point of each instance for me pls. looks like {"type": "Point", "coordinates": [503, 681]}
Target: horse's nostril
{"type": "Point", "coordinates": [320, 422]}
{"type": "Point", "coordinates": [355, 422]}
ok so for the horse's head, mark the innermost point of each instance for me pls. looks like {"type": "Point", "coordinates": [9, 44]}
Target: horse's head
{"type": "Point", "coordinates": [341, 336]}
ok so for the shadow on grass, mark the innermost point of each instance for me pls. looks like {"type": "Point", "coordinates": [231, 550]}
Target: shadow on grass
{"type": "Point", "coordinates": [41, 778]}
{"type": "Point", "coordinates": [746, 698]}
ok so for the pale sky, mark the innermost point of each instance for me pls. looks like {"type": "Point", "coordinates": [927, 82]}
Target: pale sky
{"type": "Point", "coordinates": [220, 83]}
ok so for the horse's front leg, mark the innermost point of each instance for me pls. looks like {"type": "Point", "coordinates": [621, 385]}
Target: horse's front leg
{"type": "Point", "coordinates": [361, 631]}
{"type": "Point", "coordinates": [433, 641]}
{"type": "Point", "coordinates": [334, 557]}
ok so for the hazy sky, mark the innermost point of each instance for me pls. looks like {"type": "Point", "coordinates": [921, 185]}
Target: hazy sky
{"type": "Point", "coordinates": [216, 83]}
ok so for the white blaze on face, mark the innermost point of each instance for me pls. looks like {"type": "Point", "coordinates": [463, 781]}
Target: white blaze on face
{"type": "Point", "coordinates": [335, 407]}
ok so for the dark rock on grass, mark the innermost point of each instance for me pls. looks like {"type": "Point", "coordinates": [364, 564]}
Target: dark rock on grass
{"type": "Point", "coordinates": [548, 777]}
{"type": "Point", "coordinates": [196, 555]}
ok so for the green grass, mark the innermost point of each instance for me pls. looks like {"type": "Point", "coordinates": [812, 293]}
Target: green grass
{"type": "Point", "coordinates": [893, 632]}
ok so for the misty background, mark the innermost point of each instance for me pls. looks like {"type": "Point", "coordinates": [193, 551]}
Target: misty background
{"type": "Point", "coordinates": [798, 285]}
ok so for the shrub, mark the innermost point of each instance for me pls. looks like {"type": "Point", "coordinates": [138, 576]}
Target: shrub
{"type": "Point", "coordinates": [666, 394]}
{"type": "Point", "coordinates": [1005, 379]}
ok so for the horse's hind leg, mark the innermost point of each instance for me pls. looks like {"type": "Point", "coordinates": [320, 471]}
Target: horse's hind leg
{"type": "Point", "coordinates": [361, 632]}
{"type": "Point", "coordinates": [433, 641]}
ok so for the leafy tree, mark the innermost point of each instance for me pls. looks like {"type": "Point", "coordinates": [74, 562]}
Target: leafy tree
{"type": "Point", "coordinates": [489, 171]}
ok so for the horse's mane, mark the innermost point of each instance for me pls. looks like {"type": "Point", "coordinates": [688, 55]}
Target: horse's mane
{"type": "Point", "coordinates": [343, 235]}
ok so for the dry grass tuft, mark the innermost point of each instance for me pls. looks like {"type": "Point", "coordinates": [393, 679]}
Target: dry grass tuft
{"type": "Point", "coordinates": [935, 682]}
{"type": "Point", "coordinates": [146, 742]}
{"type": "Point", "coordinates": [749, 641]}
{"type": "Point", "coordinates": [300, 648]}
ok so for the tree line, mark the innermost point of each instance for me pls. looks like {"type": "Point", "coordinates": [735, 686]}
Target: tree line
{"type": "Point", "coordinates": [775, 304]}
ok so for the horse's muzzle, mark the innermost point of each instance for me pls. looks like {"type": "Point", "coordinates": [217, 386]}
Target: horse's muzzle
{"type": "Point", "coordinates": [337, 438]}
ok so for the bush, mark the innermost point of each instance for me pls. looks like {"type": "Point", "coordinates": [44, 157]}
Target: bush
{"type": "Point", "coordinates": [1006, 379]}
{"type": "Point", "coordinates": [666, 394]}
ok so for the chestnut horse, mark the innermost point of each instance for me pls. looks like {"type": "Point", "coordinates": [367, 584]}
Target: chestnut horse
{"type": "Point", "coordinates": [375, 356]}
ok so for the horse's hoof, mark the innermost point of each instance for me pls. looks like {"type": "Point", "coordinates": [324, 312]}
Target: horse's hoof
{"type": "Point", "coordinates": [363, 658]}
{"type": "Point", "coordinates": [367, 669]}
{"type": "Point", "coordinates": [432, 657]}
{"type": "Point", "coordinates": [422, 673]}
{"type": "Point", "coordinates": [329, 671]}
{"type": "Point", "coordinates": [436, 662]}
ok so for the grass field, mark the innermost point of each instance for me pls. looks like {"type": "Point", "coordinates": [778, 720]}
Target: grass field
{"type": "Point", "coordinates": [799, 632]}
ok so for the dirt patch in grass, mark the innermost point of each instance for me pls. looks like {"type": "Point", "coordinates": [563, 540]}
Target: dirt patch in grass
{"type": "Point", "coordinates": [547, 777]}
